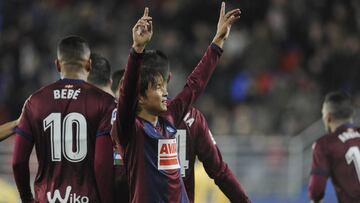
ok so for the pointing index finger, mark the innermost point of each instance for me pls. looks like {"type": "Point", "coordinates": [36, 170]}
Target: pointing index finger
{"type": "Point", "coordinates": [146, 12]}
{"type": "Point", "coordinates": [222, 10]}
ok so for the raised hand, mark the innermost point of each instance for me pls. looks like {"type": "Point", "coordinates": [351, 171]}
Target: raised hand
{"type": "Point", "coordinates": [142, 32]}
{"type": "Point", "coordinates": [224, 24]}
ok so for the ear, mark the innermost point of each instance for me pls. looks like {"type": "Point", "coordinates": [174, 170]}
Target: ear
{"type": "Point", "coordinates": [57, 65]}
{"type": "Point", "coordinates": [141, 100]}
{"type": "Point", "coordinates": [88, 65]}
{"type": "Point", "coordinates": [329, 118]}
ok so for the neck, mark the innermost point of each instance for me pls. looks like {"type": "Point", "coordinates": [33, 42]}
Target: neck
{"type": "Point", "coordinates": [148, 117]}
{"type": "Point", "coordinates": [336, 124]}
{"type": "Point", "coordinates": [106, 89]}
{"type": "Point", "coordinates": [74, 75]}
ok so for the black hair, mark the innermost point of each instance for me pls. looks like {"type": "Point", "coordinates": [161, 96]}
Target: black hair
{"type": "Point", "coordinates": [100, 70]}
{"type": "Point", "coordinates": [116, 78]}
{"type": "Point", "coordinates": [157, 60]}
{"type": "Point", "coordinates": [148, 79]}
{"type": "Point", "coordinates": [73, 50]}
{"type": "Point", "coordinates": [339, 104]}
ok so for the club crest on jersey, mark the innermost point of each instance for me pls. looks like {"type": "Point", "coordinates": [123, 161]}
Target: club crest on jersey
{"type": "Point", "coordinates": [170, 129]}
{"type": "Point", "coordinates": [167, 154]}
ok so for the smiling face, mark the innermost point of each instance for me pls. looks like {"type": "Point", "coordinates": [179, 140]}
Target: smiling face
{"type": "Point", "coordinates": [155, 99]}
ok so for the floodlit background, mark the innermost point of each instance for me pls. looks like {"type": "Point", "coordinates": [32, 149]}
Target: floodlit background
{"type": "Point", "coordinates": [263, 102]}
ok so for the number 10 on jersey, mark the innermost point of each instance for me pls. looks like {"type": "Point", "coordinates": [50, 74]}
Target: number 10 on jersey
{"type": "Point", "coordinates": [62, 139]}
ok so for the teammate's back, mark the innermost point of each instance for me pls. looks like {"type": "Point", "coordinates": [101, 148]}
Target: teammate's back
{"type": "Point", "coordinates": [69, 122]}
{"type": "Point", "coordinates": [336, 155]}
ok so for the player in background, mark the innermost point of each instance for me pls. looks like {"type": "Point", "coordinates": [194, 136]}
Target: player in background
{"type": "Point", "coordinates": [336, 155]}
{"type": "Point", "coordinates": [69, 122]}
{"type": "Point", "coordinates": [116, 80]}
{"type": "Point", "coordinates": [100, 77]}
{"type": "Point", "coordinates": [145, 120]}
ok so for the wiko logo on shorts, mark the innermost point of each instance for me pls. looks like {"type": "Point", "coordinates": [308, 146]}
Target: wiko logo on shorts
{"type": "Point", "coordinates": [68, 198]}
{"type": "Point", "coordinates": [167, 154]}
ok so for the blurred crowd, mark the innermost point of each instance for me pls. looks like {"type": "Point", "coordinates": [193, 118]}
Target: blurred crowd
{"type": "Point", "coordinates": [280, 60]}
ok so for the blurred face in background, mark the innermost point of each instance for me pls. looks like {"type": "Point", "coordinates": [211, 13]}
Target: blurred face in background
{"type": "Point", "coordinates": [326, 117]}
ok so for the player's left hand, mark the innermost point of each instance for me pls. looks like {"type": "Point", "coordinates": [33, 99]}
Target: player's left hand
{"type": "Point", "coordinates": [224, 24]}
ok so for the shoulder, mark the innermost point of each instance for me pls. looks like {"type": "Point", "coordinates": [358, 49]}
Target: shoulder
{"type": "Point", "coordinates": [322, 142]}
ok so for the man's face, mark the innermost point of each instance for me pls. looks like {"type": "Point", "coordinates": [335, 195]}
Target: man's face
{"type": "Point", "coordinates": [155, 101]}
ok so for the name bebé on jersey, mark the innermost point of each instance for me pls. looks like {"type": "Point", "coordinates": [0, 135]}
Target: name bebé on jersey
{"type": "Point", "coordinates": [350, 134]}
{"type": "Point", "coordinates": [66, 93]}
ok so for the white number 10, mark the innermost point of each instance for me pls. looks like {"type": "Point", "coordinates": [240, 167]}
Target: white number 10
{"type": "Point", "coordinates": [61, 136]}
{"type": "Point", "coordinates": [353, 154]}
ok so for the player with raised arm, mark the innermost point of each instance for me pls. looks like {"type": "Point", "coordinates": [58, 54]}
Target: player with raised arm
{"type": "Point", "coordinates": [145, 120]}
{"type": "Point", "coordinates": [336, 155]}
{"type": "Point", "coordinates": [69, 122]}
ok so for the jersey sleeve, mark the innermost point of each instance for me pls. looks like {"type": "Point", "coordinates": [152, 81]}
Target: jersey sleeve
{"type": "Point", "coordinates": [319, 172]}
{"type": "Point", "coordinates": [209, 154]}
{"type": "Point", "coordinates": [320, 165]}
{"type": "Point", "coordinates": [195, 84]}
{"type": "Point", "coordinates": [106, 120]}
{"type": "Point", "coordinates": [24, 128]}
{"type": "Point", "coordinates": [129, 90]}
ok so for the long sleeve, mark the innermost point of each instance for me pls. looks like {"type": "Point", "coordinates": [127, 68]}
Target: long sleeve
{"type": "Point", "coordinates": [129, 90]}
{"type": "Point", "coordinates": [20, 165]}
{"type": "Point", "coordinates": [103, 167]}
{"type": "Point", "coordinates": [209, 154]}
{"type": "Point", "coordinates": [195, 84]}
{"type": "Point", "coordinates": [317, 185]}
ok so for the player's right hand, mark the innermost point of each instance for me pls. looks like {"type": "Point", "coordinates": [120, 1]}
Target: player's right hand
{"type": "Point", "coordinates": [142, 32]}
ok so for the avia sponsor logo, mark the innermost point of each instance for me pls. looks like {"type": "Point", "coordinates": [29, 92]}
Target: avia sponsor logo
{"type": "Point", "coordinates": [167, 154]}
{"type": "Point", "coordinates": [68, 198]}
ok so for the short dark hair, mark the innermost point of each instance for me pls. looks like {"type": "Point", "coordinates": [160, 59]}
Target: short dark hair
{"type": "Point", "coordinates": [100, 70]}
{"type": "Point", "coordinates": [157, 60]}
{"type": "Point", "coordinates": [73, 50]}
{"type": "Point", "coordinates": [116, 78]}
{"type": "Point", "coordinates": [340, 105]}
{"type": "Point", "coordinates": [148, 78]}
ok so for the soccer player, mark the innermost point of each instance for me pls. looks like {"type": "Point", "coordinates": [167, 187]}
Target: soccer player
{"type": "Point", "coordinates": [145, 120]}
{"type": "Point", "coordinates": [100, 77]}
{"type": "Point", "coordinates": [194, 138]}
{"type": "Point", "coordinates": [336, 155]}
{"type": "Point", "coordinates": [68, 121]}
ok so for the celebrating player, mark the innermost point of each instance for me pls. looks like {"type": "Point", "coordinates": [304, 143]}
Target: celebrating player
{"type": "Point", "coordinates": [145, 120]}
{"type": "Point", "coordinates": [69, 123]}
{"type": "Point", "coordinates": [336, 154]}
{"type": "Point", "coordinates": [194, 138]}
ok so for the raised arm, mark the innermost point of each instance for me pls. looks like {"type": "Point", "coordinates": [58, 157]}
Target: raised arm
{"type": "Point", "coordinates": [129, 90]}
{"type": "Point", "coordinates": [200, 76]}
{"type": "Point", "coordinates": [209, 154]}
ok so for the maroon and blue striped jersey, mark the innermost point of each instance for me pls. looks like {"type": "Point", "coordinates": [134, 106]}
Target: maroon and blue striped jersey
{"type": "Point", "coordinates": [195, 140]}
{"type": "Point", "coordinates": [337, 156]}
{"type": "Point", "coordinates": [69, 123]}
{"type": "Point", "coordinates": [150, 152]}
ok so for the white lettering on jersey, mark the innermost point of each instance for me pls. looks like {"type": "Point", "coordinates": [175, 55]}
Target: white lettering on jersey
{"type": "Point", "coordinates": [66, 94]}
{"type": "Point", "coordinates": [69, 197]}
{"type": "Point", "coordinates": [188, 121]}
{"type": "Point", "coordinates": [167, 154]}
{"type": "Point", "coordinates": [349, 134]}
